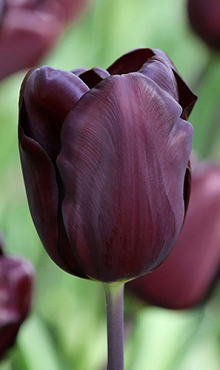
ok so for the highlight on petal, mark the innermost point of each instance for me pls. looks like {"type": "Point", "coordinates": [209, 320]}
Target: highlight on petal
{"type": "Point", "coordinates": [123, 160]}
{"type": "Point", "coordinates": [160, 71]}
{"type": "Point", "coordinates": [186, 97]}
{"type": "Point", "coordinates": [47, 95]}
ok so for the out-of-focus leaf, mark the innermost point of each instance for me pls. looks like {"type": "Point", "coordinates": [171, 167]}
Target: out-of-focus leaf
{"type": "Point", "coordinates": [37, 347]}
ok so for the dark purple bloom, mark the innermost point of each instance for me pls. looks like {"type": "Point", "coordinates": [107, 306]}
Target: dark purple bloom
{"type": "Point", "coordinates": [105, 157]}
{"type": "Point", "coordinates": [30, 28]}
{"type": "Point", "coordinates": [188, 274]}
{"type": "Point", "coordinates": [204, 17]}
{"type": "Point", "coordinates": [16, 288]}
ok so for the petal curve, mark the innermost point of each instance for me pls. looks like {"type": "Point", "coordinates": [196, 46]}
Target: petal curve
{"type": "Point", "coordinates": [124, 155]}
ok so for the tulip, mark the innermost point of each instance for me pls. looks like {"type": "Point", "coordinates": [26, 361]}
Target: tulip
{"type": "Point", "coordinates": [105, 157]}
{"type": "Point", "coordinates": [188, 274]}
{"type": "Point", "coordinates": [204, 17]}
{"type": "Point", "coordinates": [16, 290]}
{"type": "Point", "coordinates": [30, 28]}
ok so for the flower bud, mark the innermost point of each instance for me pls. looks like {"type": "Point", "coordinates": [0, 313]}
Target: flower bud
{"type": "Point", "coordinates": [105, 157]}
{"type": "Point", "coordinates": [188, 274]}
{"type": "Point", "coordinates": [30, 28]}
{"type": "Point", "coordinates": [16, 291]}
{"type": "Point", "coordinates": [204, 17]}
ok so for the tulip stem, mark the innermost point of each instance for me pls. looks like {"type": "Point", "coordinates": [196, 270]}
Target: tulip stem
{"type": "Point", "coordinates": [114, 306]}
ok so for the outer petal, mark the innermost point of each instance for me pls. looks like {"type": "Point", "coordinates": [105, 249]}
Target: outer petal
{"type": "Point", "coordinates": [16, 288]}
{"type": "Point", "coordinates": [123, 161]}
{"type": "Point", "coordinates": [43, 198]}
{"type": "Point", "coordinates": [159, 71]}
{"type": "Point", "coordinates": [135, 61]}
{"type": "Point", "coordinates": [46, 97]}
{"type": "Point", "coordinates": [189, 272]}
{"type": "Point", "coordinates": [186, 97]}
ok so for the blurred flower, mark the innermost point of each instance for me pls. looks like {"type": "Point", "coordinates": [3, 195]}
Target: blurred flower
{"type": "Point", "coordinates": [108, 192]}
{"type": "Point", "coordinates": [16, 287]}
{"type": "Point", "coordinates": [187, 275]}
{"type": "Point", "coordinates": [30, 28]}
{"type": "Point", "coordinates": [204, 17]}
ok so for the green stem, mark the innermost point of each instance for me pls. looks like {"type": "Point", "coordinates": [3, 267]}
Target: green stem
{"type": "Point", "coordinates": [114, 306]}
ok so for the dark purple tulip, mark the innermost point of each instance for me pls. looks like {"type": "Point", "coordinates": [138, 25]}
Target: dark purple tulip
{"type": "Point", "coordinates": [204, 17]}
{"type": "Point", "coordinates": [187, 275]}
{"type": "Point", "coordinates": [16, 287]}
{"type": "Point", "coordinates": [105, 157]}
{"type": "Point", "coordinates": [30, 28]}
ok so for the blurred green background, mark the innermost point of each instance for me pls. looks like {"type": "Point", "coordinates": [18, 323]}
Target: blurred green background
{"type": "Point", "coordinates": [67, 327]}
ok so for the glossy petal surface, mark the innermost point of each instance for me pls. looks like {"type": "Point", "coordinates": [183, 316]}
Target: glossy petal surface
{"type": "Point", "coordinates": [123, 160]}
{"type": "Point", "coordinates": [159, 71]}
{"type": "Point", "coordinates": [186, 97]}
{"type": "Point", "coordinates": [46, 97]}
{"type": "Point", "coordinates": [188, 274]}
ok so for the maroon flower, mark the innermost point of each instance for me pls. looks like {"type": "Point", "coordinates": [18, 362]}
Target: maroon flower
{"type": "Point", "coordinates": [187, 275]}
{"type": "Point", "coordinates": [16, 288]}
{"type": "Point", "coordinates": [30, 28]}
{"type": "Point", "coordinates": [204, 17]}
{"type": "Point", "coordinates": [105, 156]}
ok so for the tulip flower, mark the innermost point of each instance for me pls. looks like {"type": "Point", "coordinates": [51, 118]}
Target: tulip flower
{"type": "Point", "coordinates": [204, 17]}
{"type": "Point", "coordinates": [30, 28]}
{"type": "Point", "coordinates": [104, 155]}
{"type": "Point", "coordinates": [105, 159]}
{"type": "Point", "coordinates": [188, 274]}
{"type": "Point", "coordinates": [16, 288]}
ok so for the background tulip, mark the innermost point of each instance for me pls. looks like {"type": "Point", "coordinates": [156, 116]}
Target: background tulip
{"type": "Point", "coordinates": [16, 291]}
{"type": "Point", "coordinates": [104, 160]}
{"type": "Point", "coordinates": [188, 274]}
{"type": "Point", "coordinates": [204, 17]}
{"type": "Point", "coordinates": [30, 28]}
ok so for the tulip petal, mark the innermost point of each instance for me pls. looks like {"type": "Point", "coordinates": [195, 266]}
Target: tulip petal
{"type": "Point", "coordinates": [93, 76]}
{"type": "Point", "coordinates": [189, 272]}
{"type": "Point", "coordinates": [131, 61]}
{"type": "Point", "coordinates": [186, 97]}
{"type": "Point", "coordinates": [48, 95]}
{"type": "Point", "coordinates": [123, 160]}
{"type": "Point", "coordinates": [78, 71]}
{"type": "Point", "coordinates": [42, 193]}
{"type": "Point", "coordinates": [26, 36]}
{"type": "Point", "coordinates": [159, 71]}
{"type": "Point", "coordinates": [16, 288]}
